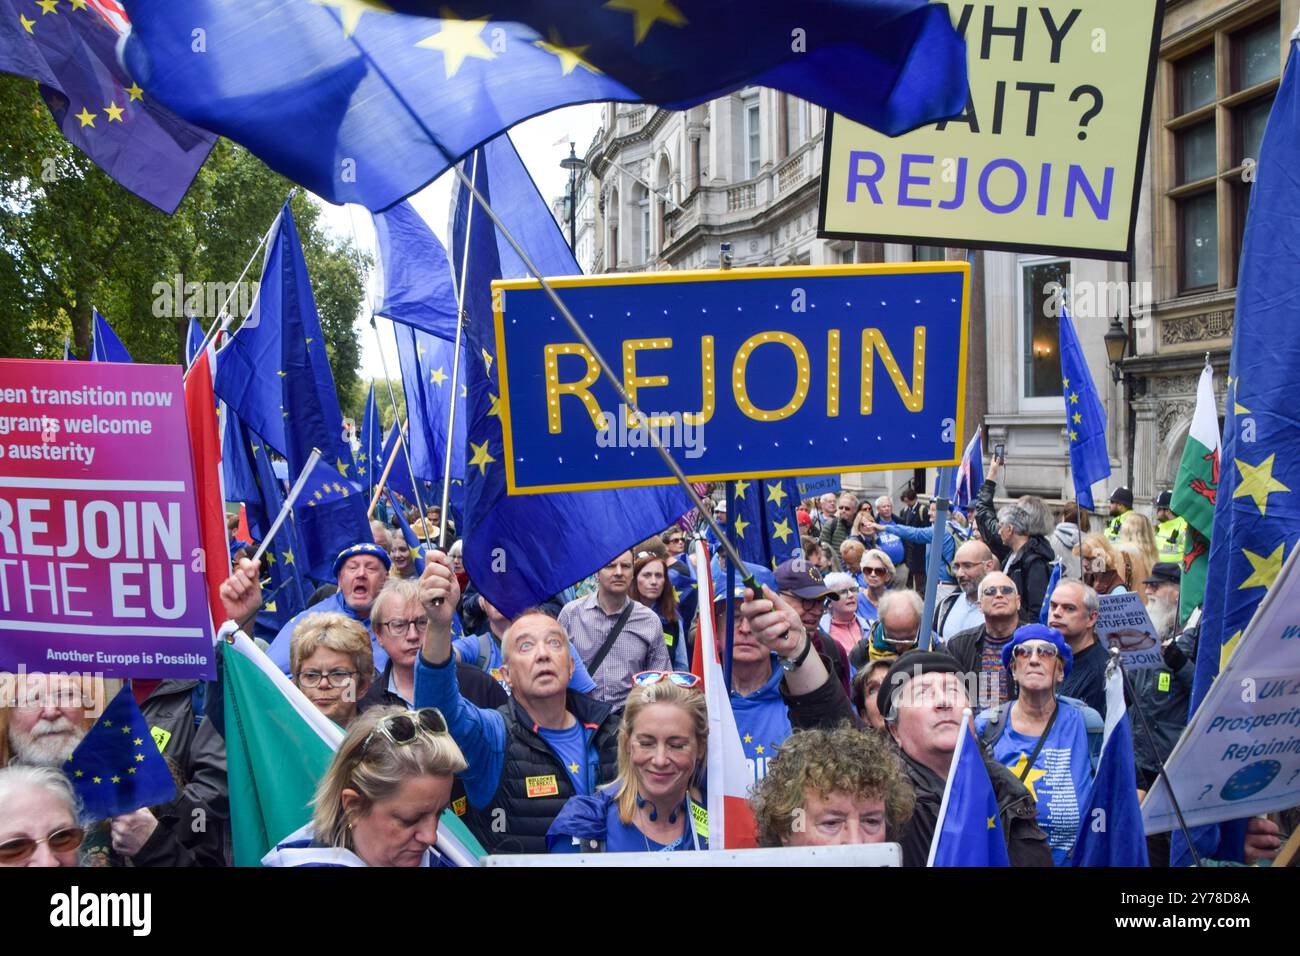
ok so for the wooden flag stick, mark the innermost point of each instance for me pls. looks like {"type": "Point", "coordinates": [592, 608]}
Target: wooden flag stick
{"type": "Point", "coordinates": [383, 479]}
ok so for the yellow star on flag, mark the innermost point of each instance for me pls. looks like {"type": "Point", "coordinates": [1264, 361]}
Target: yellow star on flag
{"type": "Point", "coordinates": [487, 360]}
{"type": "Point", "coordinates": [993, 823]}
{"type": "Point", "coordinates": [139, 758]}
{"type": "Point", "coordinates": [1074, 436]}
{"type": "Point", "coordinates": [741, 488]}
{"type": "Point", "coordinates": [338, 489]}
{"type": "Point", "coordinates": [350, 11]}
{"type": "Point", "coordinates": [115, 779]}
{"type": "Point", "coordinates": [288, 556]}
{"type": "Point", "coordinates": [1074, 398]}
{"type": "Point", "coordinates": [1065, 383]}
{"type": "Point", "coordinates": [114, 112]}
{"type": "Point", "coordinates": [317, 494]}
{"type": "Point", "coordinates": [758, 749]}
{"type": "Point", "coordinates": [78, 4]}
{"type": "Point", "coordinates": [96, 779]}
{"type": "Point", "coordinates": [1226, 650]}
{"type": "Point", "coordinates": [464, 392]}
{"type": "Point", "coordinates": [1077, 418]}
{"type": "Point", "coordinates": [87, 118]}
{"type": "Point", "coordinates": [134, 91]}
{"type": "Point", "coordinates": [132, 769]}
{"type": "Point", "coordinates": [569, 56]}
{"type": "Point", "coordinates": [481, 457]}
{"type": "Point", "coordinates": [125, 730]}
{"type": "Point", "coordinates": [494, 405]}
{"type": "Point", "coordinates": [47, 6]}
{"type": "Point", "coordinates": [27, 24]}
{"type": "Point", "coordinates": [360, 470]}
{"type": "Point", "coordinates": [1019, 770]}
{"type": "Point", "coordinates": [437, 376]}
{"type": "Point", "coordinates": [138, 741]}
{"type": "Point", "coordinates": [79, 773]}
{"type": "Point", "coordinates": [343, 468]}
{"type": "Point", "coordinates": [647, 13]}
{"type": "Point", "coordinates": [781, 530]}
{"type": "Point", "coordinates": [1265, 569]}
{"type": "Point", "coordinates": [1257, 482]}
{"type": "Point", "coordinates": [741, 525]}
{"type": "Point", "coordinates": [108, 723]}
{"type": "Point", "coordinates": [775, 493]}
{"type": "Point", "coordinates": [458, 40]}
{"type": "Point", "coordinates": [748, 739]}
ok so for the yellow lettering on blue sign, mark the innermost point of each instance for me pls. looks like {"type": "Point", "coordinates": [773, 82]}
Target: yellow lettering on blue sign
{"type": "Point", "coordinates": [873, 343]}
{"type": "Point", "coordinates": [708, 401]}
{"type": "Point", "coordinates": [802, 374]}
{"type": "Point", "coordinates": [581, 388]}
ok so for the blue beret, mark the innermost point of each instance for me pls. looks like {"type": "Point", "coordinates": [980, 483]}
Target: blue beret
{"type": "Point", "coordinates": [374, 550]}
{"type": "Point", "coordinates": [1038, 632]}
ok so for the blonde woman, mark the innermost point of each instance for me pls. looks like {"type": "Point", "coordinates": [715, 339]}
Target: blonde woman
{"type": "Point", "coordinates": [1108, 569]}
{"type": "Point", "coordinates": [1135, 529]}
{"type": "Point", "coordinates": [379, 802]}
{"type": "Point", "coordinates": [654, 802]}
{"type": "Point", "coordinates": [331, 661]}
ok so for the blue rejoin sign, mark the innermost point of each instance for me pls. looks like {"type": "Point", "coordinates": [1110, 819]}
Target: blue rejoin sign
{"type": "Point", "coordinates": [742, 373]}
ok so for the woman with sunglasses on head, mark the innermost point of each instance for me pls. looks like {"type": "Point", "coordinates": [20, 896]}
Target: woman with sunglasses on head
{"type": "Point", "coordinates": [650, 586]}
{"type": "Point", "coordinates": [379, 802]}
{"type": "Point", "coordinates": [842, 620]}
{"type": "Point", "coordinates": [654, 804]}
{"type": "Point", "coordinates": [1042, 737]}
{"type": "Point", "coordinates": [38, 818]}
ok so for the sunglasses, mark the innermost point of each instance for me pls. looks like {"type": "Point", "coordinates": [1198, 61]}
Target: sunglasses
{"type": "Point", "coordinates": [846, 592]}
{"type": "Point", "coordinates": [1041, 648]}
{"type": "Point", "coordinates": [995, 589]}
{"type": "Point", "coordinates": [60, 841]}
{"type": "Point", "coordinates": [870, 571]}
{"type": "Point", "coordinates": [680, 678]}
{"type": "Point", "coordinates": [402, 729]}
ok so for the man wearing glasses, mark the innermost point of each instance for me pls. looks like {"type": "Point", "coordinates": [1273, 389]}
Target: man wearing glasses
{"type": "Point", "coordinates": [960, 610]}
{"type": "Point", "coordinates": [978, 650]}
{"type": "Point", "coordinates": [804, 590]}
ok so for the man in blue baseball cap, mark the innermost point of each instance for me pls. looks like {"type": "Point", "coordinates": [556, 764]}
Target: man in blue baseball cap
{"type": "Point", "coordinates": [361, 571]}
{"type": "Point", "coordinates": [1040, 737]}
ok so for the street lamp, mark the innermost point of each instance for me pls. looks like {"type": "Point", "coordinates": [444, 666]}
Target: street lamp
{"type": "Point", "coordinates": [1116, 340]}
{"type": "Point", "coordinates": [572, 163]}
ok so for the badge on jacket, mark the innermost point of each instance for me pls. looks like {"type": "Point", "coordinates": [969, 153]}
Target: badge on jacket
{"type": "Point", "coordinates": [541, 786]}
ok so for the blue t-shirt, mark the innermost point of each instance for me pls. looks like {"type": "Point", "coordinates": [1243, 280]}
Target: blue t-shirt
{"type": "Point", "coordinates": [571, 747]}
{"type": "Point", "coordinates": [595, 818]}
{"type": "Point", "coordinates": [1061, 777]}
{"type": "Point", "coordinates": [763, 722]}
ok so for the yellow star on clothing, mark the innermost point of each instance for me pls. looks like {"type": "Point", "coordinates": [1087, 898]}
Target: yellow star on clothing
{"type": "Point", "coordinates": [350, 11]}
{"type": "Point", "coordinates": [47, 6]}
{"type": "Point", "coordinates": [1074, 398]}
{"type": "Point", "coordinates": [1019, 770]}
{"type": "Point", "coordinates": [114, 112]}
{"type": "Point", "coordinates": [458, 40]}
{"type": "Point", "coordinates": [27, 24]}
{"type": "Point", "coordinates": [781, 530]}
{"type": "Point", "coordinates": [758, 749]}
{"type": "Point", "coordinates": [481, 457]}
{"type": "Point", "coordinates": [494, 405]}
{"type": "Point", "coordinates": [115, 779]}
{"type": "Point", "coordinates": [1265, 569]}
{"type": "Point", "coordinates": [573, 768]}
{"type": "Point", "coordinates": [437, 376]}
{"type": "Point", "coordinates": [134, 91]}
{"type": "Point", "coordinates": [569, 56]}
{"type": "Point", "coordinates": [342, 468]}
{"type": "Point", "coordinates": [1257, 482]}
{"type": "Point", "coordinates": [741, 488]}
{"type": "Point", "coordinates": [87, 118]}
{"type": "Point", "coordinates": [775, 493]}
{"type": "Point", "coordinates": [741, 525]}
{"type": "Point", "coordinates": [648, 13]}
{"type": "Point", "coordinates": [748, 739]}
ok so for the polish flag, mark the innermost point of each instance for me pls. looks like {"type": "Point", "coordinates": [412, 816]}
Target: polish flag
{"type": "Point", "coordinates": [205, 452]}
{"type": "Point", "coordinates": [731, 822]}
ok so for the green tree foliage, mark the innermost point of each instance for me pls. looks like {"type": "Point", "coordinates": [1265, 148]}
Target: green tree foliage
{"type": "Point", "coordinates": [71, 238]}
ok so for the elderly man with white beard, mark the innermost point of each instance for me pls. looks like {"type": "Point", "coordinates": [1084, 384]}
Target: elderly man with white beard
{"type": "Point", "coordinates": [44, 721]}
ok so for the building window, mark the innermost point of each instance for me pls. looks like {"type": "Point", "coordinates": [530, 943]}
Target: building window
{"type": "Point", "coordinates": [751, 139]}
{"type": "Point", "coordinates": [1222, 92]}
{"type": "Point", "coordinates": [796, 123]}
{"type": "Point", "coordinates": [1042, 326]}
{"type": "Point", "coordinates": [929, 253]}
{"type": "Point", "coordinates": [846, 255]}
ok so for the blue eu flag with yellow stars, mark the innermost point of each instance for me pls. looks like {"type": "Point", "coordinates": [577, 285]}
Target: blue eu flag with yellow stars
{"type": "Point", "coordinates": [370, 445]}
{"type": "Point", "coordinates": [69, 49]}
{"type": "Point", "coordinates": [105, 346]}
{"type": "Point", "coordinates": [418, 289]}
{"type": "Point", "coordinates": [969, 829]}
{"type": "Point", "coordinates": [767, 529]}
{"type": "Point", "coordinates": [552, 540]}
{"type": "Point", "coordinates": [117, 767]}
{"type": "Point", "coordinates": [1257, 511]}
{"type": "Point", "coordinates": [426, 362]}
{"type": "Point", "coordinates": [1085, 418]}
{"type": "Point", "coordinates": [363, 104]}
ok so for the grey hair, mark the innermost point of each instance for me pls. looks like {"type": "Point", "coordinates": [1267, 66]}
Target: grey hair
{"type": "Point", "coordinates": [1039, 516]}
{"type": "Point", "coordinates": [1016, 517]}
{"type": "Point", "coordinates": [407, 589]}
{"type": "Point", "coordinates": [900, 596]}
{"type": "Point", "coordinates": [17, 777]}
{"type": "Point", "coordinates": [1091, 602]}
{"type": "Point", "coordinates": [884, 500]}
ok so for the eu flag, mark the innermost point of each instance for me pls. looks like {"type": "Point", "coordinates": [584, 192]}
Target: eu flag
{"type": "Point", "coordinates": [370, 444]}
{"type": "Point", "coordinates": [361, 104]}
{"type": "Point", "coordinates": [105, 346]}
{"type": "Point", "coordinates": [426, 379]}
{"type": "Point", "coordinates": [1257, 512]}
{"type": "Point", "coordinates": [117, 767]}
{"type": "Point", "coordinates": [1085, 418]}
{"type": "Point", "coordinates": [550, 540]}
{"type": "Point", "coordinates": [412, 541]}
{"type": "Point", "coordinates": [969, 829]}
{"type": "Point", "coordinates": [1111, 833]}
{"type": "Point", "coordinates": [99, 108]}
{"type": "Point", "coordinates": [399, 475]}
{"type": "Point", "coordinates": [767, 531]}
{"type": "Point", "coordinates": [418, 288]}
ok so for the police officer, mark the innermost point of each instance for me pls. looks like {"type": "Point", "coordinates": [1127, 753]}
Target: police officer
{"type": "Point", "coordinates": [1121, 503]}
{"type": "Point", "coordinates": [1171, 530]}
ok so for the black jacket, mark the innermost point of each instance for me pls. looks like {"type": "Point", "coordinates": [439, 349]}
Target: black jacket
{"type": "Point", "coordinates": [968, 648]}
{"type": "Point", "coordinates": [1026, 841]}
{"type": "Point", "coordinates": [986, 517]}
{"type": "Point", "coordinates": [1030, 569]}
{"type": "Point", "coordinates": [1162, 694]}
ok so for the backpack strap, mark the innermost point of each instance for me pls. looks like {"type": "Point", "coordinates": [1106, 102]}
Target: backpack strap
{"type": "Point", "coordinates": [996, 725]}
{"type": "Point", "coordinates": [484, 651]}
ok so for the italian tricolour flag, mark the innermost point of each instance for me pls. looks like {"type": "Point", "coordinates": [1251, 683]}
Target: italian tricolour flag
{"type": "Point", "coordinates": [1195, 492]}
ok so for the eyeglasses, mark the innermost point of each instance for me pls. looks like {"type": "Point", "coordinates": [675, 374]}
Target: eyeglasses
{"type": "Point", "coordinates": [60, 841]}
{"type": "Point", "coordinates": [846, 592]}
{"type": "Point", "coordinates": [398, 625]}
{"type": "Point", "coordinates": [335, 678]}
{"type": "Point", "coordinates": [680, 678]}
{"type": "Point", "coordinates": [871, 571]}
{"type": "Point", "coordinates": [995, 589]}
{"type": "Point", "coordinates": [1041, 648]}
{"type": "Point", "coordinates": [402, 729]}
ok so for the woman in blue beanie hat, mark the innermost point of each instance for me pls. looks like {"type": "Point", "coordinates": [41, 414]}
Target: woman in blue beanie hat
{"type": "Point", "coordinates": [1040, 737]}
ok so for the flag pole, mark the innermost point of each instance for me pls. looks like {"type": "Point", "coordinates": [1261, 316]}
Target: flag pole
{"type": "Point", "coordinates": [1115, 661]}
{"type": "Point", "coordinates": [221, 313]}
{"type": "Point", "coordinates": [287, 507]}
{"type": "Point", "coordinates": [455, 369]}
{"type": "Point", "coordinates": [383, 479]}
{"type": "Point", "coordinates": [938, 528]}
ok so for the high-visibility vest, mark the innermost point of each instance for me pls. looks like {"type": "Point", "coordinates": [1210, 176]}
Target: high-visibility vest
{"type": "Point", "coordinates": [1112, 529]}
{"type": "Point", "coordinates": [1169, 538]}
